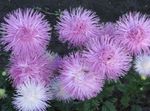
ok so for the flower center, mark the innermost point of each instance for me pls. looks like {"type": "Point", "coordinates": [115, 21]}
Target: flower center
{"type": "Point", "coordinates": [25, 68]}
{"type": "Point", "coordinates": [80, 75]}
{"type": "Point", "coordinates": [80, 27]}
{"type": "Point", "coordinates": [105, 55]}
{"type": "Point", "coordinates": [136, 34]}
{"type": "Point", "coordinates": [25, 34]}
{"type": "Point", "coordinates": [32, 97]}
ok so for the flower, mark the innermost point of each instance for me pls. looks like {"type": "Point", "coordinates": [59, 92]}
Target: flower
{"type": "Point", "coordinates": [77, 26]}
{"type": "Point", "coordinates": [31, 96]}
{"type": "Point", "coordinates": [58, 90]}
{"type": "Point", "coordinates": [142, 65]}
{"type": "Point", "coordinates": [105, 56]}
{"type": "Point", "coordinates": [25, 32]}
{"type": "Point", "coordinates": [77, 78]}
{"type": "Point", "coordinates": [37, 69]}
{"type": "Point", "coordinates": [133, 33]}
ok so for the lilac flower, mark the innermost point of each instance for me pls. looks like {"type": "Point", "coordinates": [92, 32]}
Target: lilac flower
{"type": "Point", "coordinates": [77, 26]}
{"type": "Point", "coordinates": [106, 57]}
{"type": "Point", "coordinates": [37, 69]}
{"type": "Point", "coordinates": [133, 33]}
{"type": "Point", "coordinates": [78, 80]}
{"type": "Point", "coordinates": [25, 32]}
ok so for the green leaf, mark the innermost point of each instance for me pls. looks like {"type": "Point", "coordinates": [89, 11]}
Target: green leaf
{"type": "Point", "coordinates": [104, 108]}
{"type": "Point", "coordinates": [136, 108]}
{"type": "Point", "coordinates": [107, 91]}
{"type": "Point", "coordinates": [121, 87]}
{"type": "Point", "coordinates": [125, 101]}
{"type": "Point", "coordinates": [86, 106]}
{"type": "Point", "coordinates": [108, 106]}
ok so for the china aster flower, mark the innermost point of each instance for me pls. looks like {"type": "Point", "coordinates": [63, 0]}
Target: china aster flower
{"type": "Point", "coordinates": [77, 78]}
{"type": "Point", "coordinates": [142, 65]}
{"type": "Point", "coordinates": [59, 91]}
{"type": "Point", "coordinates": [31, 96]}
{"type": "Point", "coordinates": [37, 69]}
{"type": "Point", "coordinates": [77, 26]}
{"type": "Point", "coordinates": [134, 34]}
{"type": "Point", "coordinates": [25, 32]}
{"type": "Point", "coordinates": [105, 56]}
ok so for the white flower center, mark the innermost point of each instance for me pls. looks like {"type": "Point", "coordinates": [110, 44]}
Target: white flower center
{"type": "Point", "coordinates": [80, 75]}
{"type": "Point", "coordinates": [32, 97]}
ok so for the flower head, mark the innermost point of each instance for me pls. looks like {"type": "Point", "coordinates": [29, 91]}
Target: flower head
{"type": "Point", "coordinates": [105, 56]}
{"type": "Point", "coordinates": [133, 33]}
{"type": "Point", "coordinates": [25, 32]}
{"type": "Point", "coordinates": [142, 65]}
{"type": "Point", "coordinates": [77, 26]}
{"type": "Point", "coordinates": [78, 80]}
{"type": "Point", "coordinates": [31, 96]}
{"type": "Point", "coordinates": [37, 69]}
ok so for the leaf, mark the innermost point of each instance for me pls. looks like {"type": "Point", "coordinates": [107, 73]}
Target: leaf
{"type": "Point", "coordinates": [104, 108]}
{"type": "Point", "coordinates": [125, 101]}
{"type": "Point", "coordinates": [136, 108]}
{"type": "Point", "coordinates": [86, 106]}
{"type": "Point", "coordinates": [107, 91]}
{"type": "Point", "coordinates": [108, 106]}
{"type": "Point", "coordinates": [122, 88]}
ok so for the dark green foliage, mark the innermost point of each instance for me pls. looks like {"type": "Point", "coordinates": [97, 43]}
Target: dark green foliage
{"type": "Point", "coordinates": [130, 93]}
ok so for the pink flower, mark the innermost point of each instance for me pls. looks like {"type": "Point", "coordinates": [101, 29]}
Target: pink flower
{"type": "Point", "coordinates": [133, 33]}
{"type": "Point", "coordinates": [37, 69]}
{"type": "Point", "coordinates": [25, 32]}
{"type": "Point", "coordinates": [77, 26]}
{"type": "Point", "coordinates": [106, 57]}
{"type": "Point", "coordinates": [78, 80]}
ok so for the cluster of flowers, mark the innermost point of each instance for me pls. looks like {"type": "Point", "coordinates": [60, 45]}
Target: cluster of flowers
{"type": "Point", "coordinates": [106, 53]}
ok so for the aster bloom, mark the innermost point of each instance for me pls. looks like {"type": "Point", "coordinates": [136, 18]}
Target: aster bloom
{"type": "Point", "coordinates": [134, 34]}
{"type": "Point", "coordinates": [59, 91]}
{"type": "Point", "coordinates": [77, 26]}
{"type": "Point", "coordinates": [107, 57]}
{"type": "Point", "coordinates": [31, 96]}
{"type": "Point", "coordinates": [37, 69]}
{"type": "Point", "coordinates": [77, 78]}
{"type": "Point", "coordinates": [142, 65]}
{"type": "Point", "coordinates": [25, 32]}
